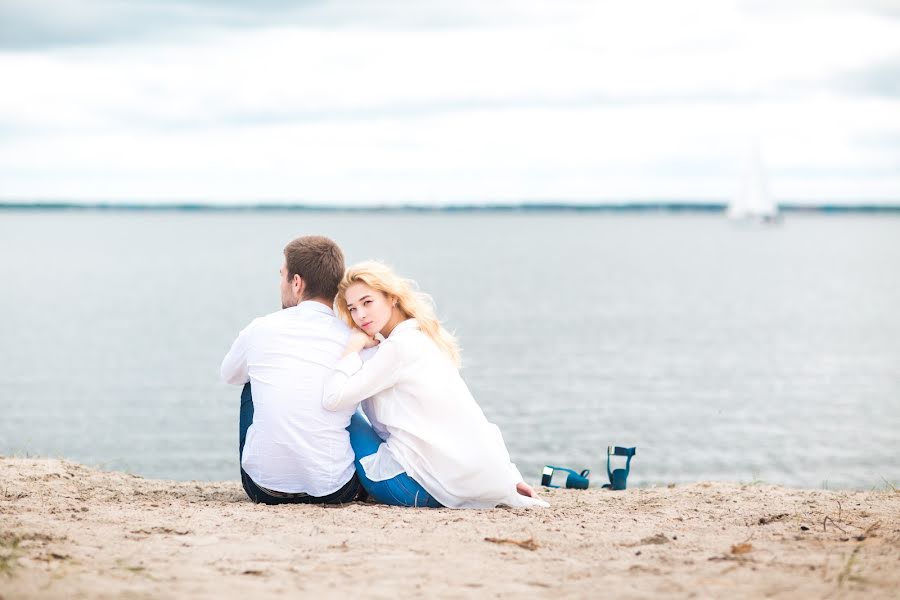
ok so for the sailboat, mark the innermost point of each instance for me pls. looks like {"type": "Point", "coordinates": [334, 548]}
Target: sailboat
{"type": "Point", "coordinates": [753, 202]}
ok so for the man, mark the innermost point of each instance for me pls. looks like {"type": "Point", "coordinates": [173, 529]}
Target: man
{"type": "Point", "coordinates": [293, 450]}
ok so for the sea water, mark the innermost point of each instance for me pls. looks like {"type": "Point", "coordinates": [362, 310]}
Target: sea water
{"type": "Point", "coordinates": [721, 352]}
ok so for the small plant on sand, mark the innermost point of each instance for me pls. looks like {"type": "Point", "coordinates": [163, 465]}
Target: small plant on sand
{"type": "Point", "coordinates": [846, 572]}
{"type": "Point", "coordinates": [888, 486]}
{"type": "Point", "coordinates": [133, 568]}
{"type": "Point", "coordinates": [755, 478]}
{"type": "Point", "coordinates": [9, 552]}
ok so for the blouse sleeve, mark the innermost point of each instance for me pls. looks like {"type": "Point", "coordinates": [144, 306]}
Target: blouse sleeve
{"type": "Point", "coordinates": [517, 476]}
{"type": "Point", "coordinates": [352, 381]}
{"type": "Point", "coordinates": [498, 439]}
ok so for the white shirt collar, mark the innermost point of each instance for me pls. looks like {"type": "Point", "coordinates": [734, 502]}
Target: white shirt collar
{"type": "Point", "coordinates": [316, 306]}
{"type": "Point", "coordinates": [407, 324]}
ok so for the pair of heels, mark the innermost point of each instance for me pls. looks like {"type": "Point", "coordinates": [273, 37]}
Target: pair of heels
{"type": "Point", "coordinates": [580, 481]}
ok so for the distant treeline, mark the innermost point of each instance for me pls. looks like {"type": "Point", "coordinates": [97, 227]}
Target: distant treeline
{"type": "Point", "coordinates": [637, 207]}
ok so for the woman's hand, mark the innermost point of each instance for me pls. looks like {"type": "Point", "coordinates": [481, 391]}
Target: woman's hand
{"type": "Point", "coordinates": [525, 490]}
{"type": "Point", "coordinates": [359, 339]}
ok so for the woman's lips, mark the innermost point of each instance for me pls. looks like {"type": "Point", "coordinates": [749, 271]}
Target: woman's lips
{"type": "Point", "coordinates": [366, 325]}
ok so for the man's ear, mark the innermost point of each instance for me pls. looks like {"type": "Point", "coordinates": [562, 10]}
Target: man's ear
{"type": "Point", "coordinates": [298, 285]}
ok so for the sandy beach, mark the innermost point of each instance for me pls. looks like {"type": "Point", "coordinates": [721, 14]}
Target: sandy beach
{"type": "Point", "coordinates": [70, 531]}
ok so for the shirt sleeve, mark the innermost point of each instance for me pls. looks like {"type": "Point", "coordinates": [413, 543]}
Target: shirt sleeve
{"type": "Point", "coordinates": [352, 381]}
{"type": "Point", "coordinates": [517, 476]}
{"type": "Point", "coordinates": [498, 439]}
{"type": "Point", "coordinates": [369, 411]}
{"type": "Point", "coordinates": [234, 368]}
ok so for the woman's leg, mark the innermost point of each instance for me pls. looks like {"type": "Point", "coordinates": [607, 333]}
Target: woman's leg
{"type": "Point", "coordinates": [406, 491]}
{"type": "Point", "coordinates": [401, 490]}
{"type": "Point", "coordinates": [364, 442]}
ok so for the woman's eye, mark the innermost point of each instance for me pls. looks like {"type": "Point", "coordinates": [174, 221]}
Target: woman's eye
{"type": "Point", "coordinates": [367, 302]}
{"type": "Point", "coordinates": [352, 309]}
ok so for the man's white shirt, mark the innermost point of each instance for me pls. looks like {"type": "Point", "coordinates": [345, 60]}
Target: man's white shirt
{"type": "Point", "coordinates": [294, 445]}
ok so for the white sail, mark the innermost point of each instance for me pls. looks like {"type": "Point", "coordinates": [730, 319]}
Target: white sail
{"type": "Point", "coordinates": [753, 200]}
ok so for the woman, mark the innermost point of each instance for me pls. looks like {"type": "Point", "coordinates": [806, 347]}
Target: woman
{"type": "Point", "coordinates": [438, 448]}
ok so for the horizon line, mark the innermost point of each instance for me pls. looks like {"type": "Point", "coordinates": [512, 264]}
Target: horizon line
{"type": "Point", "coordinates": [627, 206]}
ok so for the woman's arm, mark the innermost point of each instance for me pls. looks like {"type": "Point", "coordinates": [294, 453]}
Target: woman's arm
{"type": "Point", "coordinates": [352, 381]}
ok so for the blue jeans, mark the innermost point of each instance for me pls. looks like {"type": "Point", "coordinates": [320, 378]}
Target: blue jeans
{"type": "Point", "coordinates": [347, 493]}
{"type": "Point", "coordinates": [400, 490]}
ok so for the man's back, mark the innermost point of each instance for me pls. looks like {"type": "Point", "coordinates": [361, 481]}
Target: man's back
{"type": "Point", "coordinates": [293, 444]}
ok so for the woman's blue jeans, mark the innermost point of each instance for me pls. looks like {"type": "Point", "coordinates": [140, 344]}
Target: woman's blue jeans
{"type": "Point", "coordinates": [400, 490]}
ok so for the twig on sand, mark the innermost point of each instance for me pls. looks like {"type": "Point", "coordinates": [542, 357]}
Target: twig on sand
{"type": "Point", "coordinates": [528, 544]}
{"type": "Point", "coordinates": [659, 538]}
{"type": "Point", "coordinates": [840, 518]}
{"type": "Point", "coordinates": [742, 548]}
{"type": "Point", "coordinates": [826, 519]}
{"type": "Point", "coordinates": [868, 531]}
{"type": "Point", "coordinates": [772, 519]}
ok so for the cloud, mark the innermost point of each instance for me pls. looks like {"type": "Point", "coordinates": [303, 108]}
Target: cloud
{"type": "Point", "coordinates": [34, 24]}
{"type": "Point", "coordinates": [30, 24]}
{"type": "Point", "coordinates": [879, 79]}
{"type": "Point", "coordinates": [432, 102]}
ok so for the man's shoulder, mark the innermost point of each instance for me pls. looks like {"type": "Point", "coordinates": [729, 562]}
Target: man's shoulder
{"type": "Point", "coordinates": [272, 317]}
{"type": "Point", "coordinates": [298, 320]}
{"type": "Point", "coordinates": [264, 321]}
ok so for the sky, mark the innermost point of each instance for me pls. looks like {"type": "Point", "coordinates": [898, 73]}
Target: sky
{"type": "Point", "coordinates": [357, 102]}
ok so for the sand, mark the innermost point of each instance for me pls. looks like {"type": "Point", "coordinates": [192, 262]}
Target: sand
{"type": "Point", "coordinates": [70, 531]}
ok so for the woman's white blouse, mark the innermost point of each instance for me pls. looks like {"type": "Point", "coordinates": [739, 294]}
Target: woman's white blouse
{"type": "Point", "coordinates": [433, 428]}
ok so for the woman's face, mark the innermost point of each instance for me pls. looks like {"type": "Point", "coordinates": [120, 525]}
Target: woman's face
{"type": "Point", "coordinates": [372, 311]}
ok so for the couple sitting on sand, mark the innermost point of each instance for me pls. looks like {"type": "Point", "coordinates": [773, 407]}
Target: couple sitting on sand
{"type": "Point", "coordinates": [425, 441]}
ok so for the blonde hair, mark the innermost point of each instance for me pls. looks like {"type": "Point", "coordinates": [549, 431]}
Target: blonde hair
{"type": "Point", "coordinates": [411, 302]}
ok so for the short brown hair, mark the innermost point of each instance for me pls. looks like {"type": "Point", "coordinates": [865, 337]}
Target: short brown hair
{"type": "Point", "coordinates": [319, 262]}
